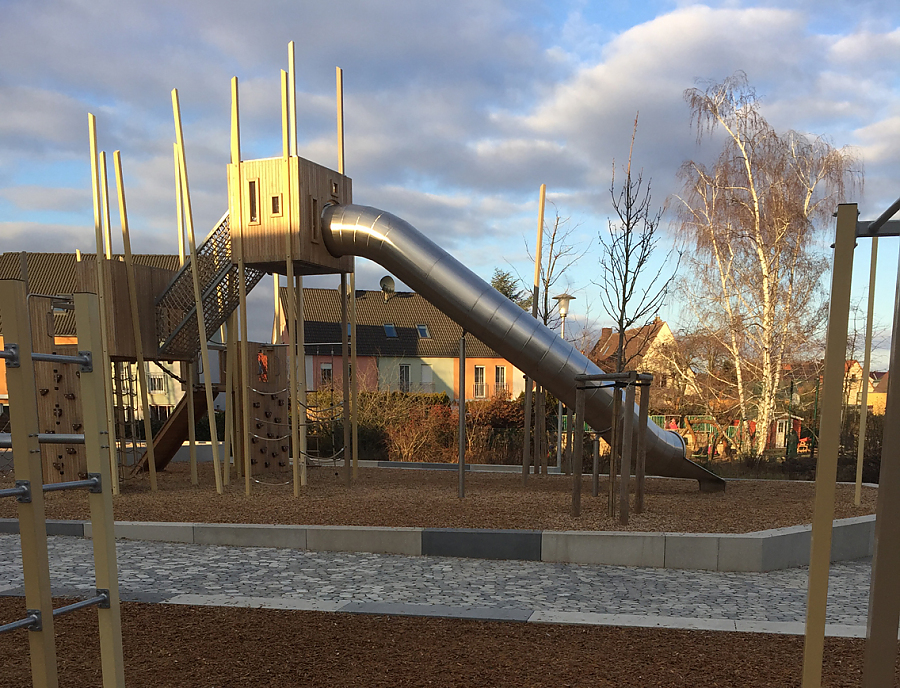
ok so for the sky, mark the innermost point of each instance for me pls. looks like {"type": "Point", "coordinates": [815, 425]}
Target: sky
{"type": "Point", "coordinates": [455, 113]}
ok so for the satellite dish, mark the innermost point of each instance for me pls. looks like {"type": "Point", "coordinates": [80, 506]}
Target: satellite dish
{"type": "Point", "coordinates": [387, 285]}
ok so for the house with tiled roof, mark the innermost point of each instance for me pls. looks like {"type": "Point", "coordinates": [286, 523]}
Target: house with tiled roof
{"type": "Point", "coordinates": [54, 274]}
{"type": "Point", "coordinates": [645, 350]}
{"type": "Point", "coordinates": [403, 343]}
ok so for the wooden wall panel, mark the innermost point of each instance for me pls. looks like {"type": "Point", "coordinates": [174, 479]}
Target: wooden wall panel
{"type": "Point", "coordinates": [270, 430]}
{"type": "Point", "coordinates": [58, 398]}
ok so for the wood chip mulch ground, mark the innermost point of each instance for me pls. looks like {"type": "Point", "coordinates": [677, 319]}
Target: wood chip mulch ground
{"type": "Point", "coordinates": [424, 498]}
{"type": "Point", "coordinates": [176, 646]}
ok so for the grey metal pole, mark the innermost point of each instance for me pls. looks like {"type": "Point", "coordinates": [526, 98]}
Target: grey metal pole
{"type": "Point", "coordinates": [628, 447]}
{"type": "Point", "coordinates": [559, 408]}
{"type": "Point", "coordinates": [462, 415]}
{"type": "Point", "coordinates": [641, 468]}
{"type": "Point", "coordinates": [577, 451]}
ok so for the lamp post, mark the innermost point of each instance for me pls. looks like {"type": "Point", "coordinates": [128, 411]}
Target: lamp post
{"type": "Point", "coordinates": [563, 301]}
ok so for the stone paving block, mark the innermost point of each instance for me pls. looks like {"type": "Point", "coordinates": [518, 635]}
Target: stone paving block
{"type": "Point", "coordinates": [438, 610]}
{"type": "Point", "coordinates": [694, 551]}
{"type": "Point", "coordinates": [250, 535]}
{"type": "Point", "coordinates": [364, 539]}
{"type": "Point", "coordinates": [478, 543]}
{"type": "Point", "coordinates": [256, 602]}
{"type": "Point", "coordinates": [616, 549]}
{"type": "Point", "coordinates": [786, 548]}
{"type": "Point", "coordinates": [162, 532]}
{"type": "Point", "coordinates": [853, 538]}
{"type": "Point", "coordinates": [68, 528]}
{"type": "Point", "coordinates": [9, 526]}
{"type": "Point", "coordinates": [740, 552]}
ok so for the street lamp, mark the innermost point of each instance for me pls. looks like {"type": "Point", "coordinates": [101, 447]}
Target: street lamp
{"type": "Point", "coordinates": [563, 301]}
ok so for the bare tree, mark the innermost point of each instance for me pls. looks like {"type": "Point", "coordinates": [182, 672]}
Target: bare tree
{"type": "Point", "coordinates": [752, 219]}
{"type": "Point", "coordinates": [631, 293]}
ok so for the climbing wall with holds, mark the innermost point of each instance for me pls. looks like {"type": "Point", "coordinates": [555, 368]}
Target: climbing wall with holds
{"type": "Point", "coordinates": [58, 390]}
{"type": "Point", "coordinates": [270, 423]}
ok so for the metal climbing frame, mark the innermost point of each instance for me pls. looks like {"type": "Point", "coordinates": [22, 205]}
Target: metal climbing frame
{"type": "Point", "coordinates": [176, 311]}
{"type": "Point", "coordinates": [26, 440]}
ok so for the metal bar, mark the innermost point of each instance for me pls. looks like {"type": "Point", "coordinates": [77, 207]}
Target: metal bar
{"type": "Point", "coordinates": [885, 216]}
{"type": "Point", "coordinates": [102, 599]}
{"type": "Point", "coordinates": [829, 441]}
{"type": "Point", "coordinates": [866, 229]}
{"type": "Point", "coordinates": [44, 438]}
{"type": "Point", "coordinates": [93, 483]}
{"type": "Point", "coordinates": [22, 489]}
{"type": "Point", "coordinates": [615, 377]}
{"type": "Point", "coordinates": [33, 619]}
{"type": "Point", "coordinates": [83, 359]}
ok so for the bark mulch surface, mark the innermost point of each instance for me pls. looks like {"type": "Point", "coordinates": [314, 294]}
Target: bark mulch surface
{"type": "Point", "coordinates": [168, 645]}
{"type": "Point", "coordinates": [423, 498]}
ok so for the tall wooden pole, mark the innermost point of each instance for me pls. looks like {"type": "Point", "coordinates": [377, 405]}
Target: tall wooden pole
{"type": "Point", "coordinates": [829, 441]}
{"type": "Point", "coordinates": [867, 360]}
{"type": "Point", "coordinates": [244, 348]}
{"type": "Point", "coordinates": [198, 299]}
{"type": "Point", "coordinates": [526, 449]}
{"type": "Point", "coordinates": [628, 447]}
{"type": "Point", "coordinates": [102, 267]}
{"type": "Point", "coordinates": [577, 451]}
{"type": "Point", "coordinates": [462, 416]}
{"type": "Point", "coordinates": [289, 136]}
{"type": "Point", "coordinates": [135, 320]}
{"type": "Point", "coordinates": [641, 468]}
{"type": "Point", "coordinates": [188, 368]}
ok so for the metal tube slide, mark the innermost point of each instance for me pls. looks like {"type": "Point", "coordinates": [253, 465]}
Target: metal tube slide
{"type": "Point", "coordinates": [491, 317]}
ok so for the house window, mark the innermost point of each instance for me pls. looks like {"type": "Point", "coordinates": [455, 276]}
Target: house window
{"type": "Point", "coordinates": [254, 202]}
{"type": "Point", "coordinates": [404, 377]}
{"type": "Point", "coordinates": [390, 330]}
{"type": "Point", "coordinates": [156, 383]}
{"type": "Point", "coordinates": [325, 375]}
{"type": "Point", "coordinates": [423, 331]}
{"type": "Point", "coordinates": [480, 386]}
{"type": "Point", "coordinates": [276, 206]}
{"type": "Point", "coordinates": [500, 381]}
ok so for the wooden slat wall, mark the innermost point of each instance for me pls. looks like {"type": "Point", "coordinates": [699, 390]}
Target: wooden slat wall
{"type": "Point", "coordinates": [150, 283]}
{"type": "Point", "coordinates": [58, 398]}
{"type": "Point", "coordinates": [312, 186]}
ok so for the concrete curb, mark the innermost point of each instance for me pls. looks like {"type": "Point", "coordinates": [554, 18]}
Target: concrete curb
{"type": "Point", "coordinates": [765, 550]}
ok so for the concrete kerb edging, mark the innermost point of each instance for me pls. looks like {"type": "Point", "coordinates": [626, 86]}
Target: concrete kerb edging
{"type": "Point", "coordinates": [766, 550]}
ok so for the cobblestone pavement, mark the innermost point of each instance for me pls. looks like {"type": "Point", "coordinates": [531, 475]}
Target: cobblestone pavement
{"type": "Point", "coordinates": [378, 583]}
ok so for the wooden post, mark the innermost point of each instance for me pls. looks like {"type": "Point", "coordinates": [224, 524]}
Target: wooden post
{"type": "Point", "coordinates": [577, 452]}
{"type": "Point", "coordinates": [595, 482]}
{"type": "Point", "coordinates": [102, 266]}
{"type": "Point", "coordinates": [867, 359]}
{"type": "Point", "coordinates": [96, 439]}
{"type": "Point", "coordinates": [628, 447]}
{"type": "Point", "coordinates": [301, 408]}
{"type": "Point", "coordinates": [198, 300]}
{"type": "Point", "coordinates": [243, 347]}
{"type": "Point", "coordinates": [539, 422]}
{"type": "Point", "coordinates": [188, 368]}
{"type": "Point", "coordinates": [289, 136]}
{"type": "Point", "coordinates": [461, 491]}
{"type": "Point", "coordinates": [345, 368]}
{"type": "Point", "coordinates": [829, 441]}
{"type": "Point", "coordinates": [884, 604]}
{"type": "Point", "coordinates": [276, 283]}
{"type": "Point", "coordinates": [135, 321]}
{"type": "Point", "coordinates": [229, 397]}
{"type": "Point", "coordinates": [641, 468]}
{"type": "Point", "coordinates": [535, 294]}
{"type": "Point", "coordinates": [23, 420]}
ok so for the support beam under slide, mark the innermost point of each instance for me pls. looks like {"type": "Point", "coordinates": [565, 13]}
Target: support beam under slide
{"type": "Point", "coordinates": [491, 317]}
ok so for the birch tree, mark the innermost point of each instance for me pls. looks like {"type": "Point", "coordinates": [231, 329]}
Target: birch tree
{"type": "Point", "coordinates": [753, 219]}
